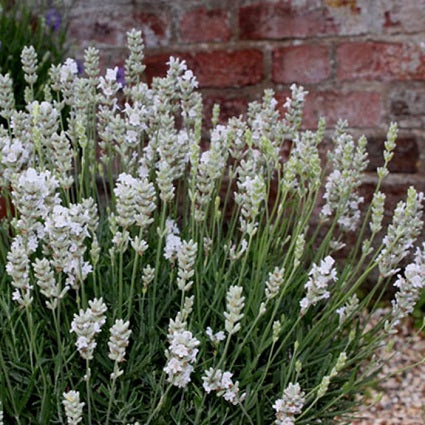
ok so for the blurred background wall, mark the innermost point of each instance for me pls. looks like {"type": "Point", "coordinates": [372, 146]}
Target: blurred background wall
{"type": "Point", "coordinates": [361, 60]}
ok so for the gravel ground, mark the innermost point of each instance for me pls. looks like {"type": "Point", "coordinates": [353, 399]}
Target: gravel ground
{"type": "Point", "coordinates": [403, 394]}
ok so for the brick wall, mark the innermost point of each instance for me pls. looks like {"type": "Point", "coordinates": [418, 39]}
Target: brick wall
{"type": "Point", "coordinates": [362, 60]}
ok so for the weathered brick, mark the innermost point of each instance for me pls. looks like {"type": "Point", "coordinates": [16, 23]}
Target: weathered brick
{"type": "Point", "coordinates": [229, 107]}
{"type": "Point", "coordinates": [406, 154]}
{"type": "Point", "coordinates": [203, 25]}
{"type": "Point", "coordinates": [407, 106]}
{"type": "Point", "coordinates": [361, 109]}
{"type": "Point", "coordinates": [108, 26]}
{"type": "Point", "coordinates": [220, 68]}
{"type": "Point", "coordinates": [267, 20]}
{"type": "Point", "coordinates": [302, 64]}
{"type": "Point", "coordinates": [407, 16]}
{"type": "Point", "coordinates": [380, 61]}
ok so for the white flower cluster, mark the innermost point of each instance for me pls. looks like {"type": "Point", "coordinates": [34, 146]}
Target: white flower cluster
{"type": "Point", "coordinates": [252, 192]}
{"type": "Point", "coordinates": [34, 196]}
{"type": "Point", "coordinates": [348, 160]}
{"type": "Point", "coordinates": [294, 108]}
{"type": "Point", "coordinates": [186, 257]}
{"type": "Point", "coordinates": [7, 99]}
{"type": "Point", "coordinates": [73, 407]}
{"type": "Point", "coordinates": [66, 231]}
{"type": "Point", "coordinates": [182, 350]}
{"type": "Point", "coordinates": [217, 380]}
{"type": "Point", "coordinates": [173, 242]}
{"type": "Point", "coordinates": [136, 201]}
{"type": "Point", "coordinates": [409, 287]}
{"type": "Point", "coordinates": [118, 342]}
{"type": "Point", "coordinates": [235, 305]}
{"type": "Point", "coordinates": [348, 309]}
{"type": "Point", "coordinates": [17, 268]}
{"type": "Point", "coordinates": [274, 282]}
{"type": "Point", "coordinates": [317, 285]}
{"type": "Point", "coordinates": [215, 338]}
{"type": "Point", "coordinates": [401, 233]}
{"type": "Point", "coordinates": [181, 353]}
{"type": "Point", "coordinates": [45, 279]}
{"type": "Point", "coordinates": [289, 405]}
{"type": "Point", "coordinates": [86, 325]}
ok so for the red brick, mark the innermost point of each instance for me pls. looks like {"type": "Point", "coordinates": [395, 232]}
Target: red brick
{"type": "Point", "coordinates": [203, 25]}
{"type": "Point", "coordinates": [360, 109]}
{"type": "Point", "coordinates": [380, 61]}
{"type": "Point", "coordinates": [301, 64]}
{"type": "Point", "coordinates": [406, 155]}
{"type": "Point", "coordinates": [218, 68]}
{"type": "Point", "coordinates": [368, 61]}
{"type": "Point", "coordinates": [109, 26]}
{"type": "Point", "coordinates": [266, 20]}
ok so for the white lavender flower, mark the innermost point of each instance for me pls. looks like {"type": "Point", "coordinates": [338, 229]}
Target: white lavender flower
{"type": "Point", "coordinates": [294, 107]}
{"type": "Point", "coordinates": [377, 206]}
{"type": "Point", "coordinates": [139, 245]}
{"type": "Point", "coordinates": [17, 268]}
{"type": "Point", "coordinates": [134, 63]}
{"type": "Point", "coordinates": [45, 279]}
{"type": "Point", "coordinates": [401, 233]}
{"type": "Point", "coordinates": [34, 196]}
{"type": "Point", "coordinates": [326, 380]}
{"type": "Point", "coordinates": [186, 257]}
{"type": "Point", "coordinates": [118, 342]}
{"type": "Point", "coordinates": [73, 407]}
{"type": "Point", "coordinates": [222, 383]}
{"type": "Point", "coordinates": [317, 285]}
{"type": "Point", "coordinates": [86, 325]}
{"type": "Point", "coordinates": [348, 309]}
{"type": "Point", "coordinates": [409, 287]}
{"type": "Point", "coordinates": [289, 405]}
{"type": "Point", "coordinates": [277, 329]}
{"type": "Point", "coordinates": [235, 305]}
{"type": "Point", "coordinates": [29, 64]}
{"type": "Point", "coordinates": [172, 240]}
{"type": "Point", "coordinates": [252, 193]}
{"type": "Point", "coordinates": [348, 160]}
{"type": "Point", "coordinates": [148, 275]}
{"type": "Point", "coordinates": [215, 338]}
{"type": "Point", "coordinates": [274, 282]}
{"type": "Point", "coordinates": [181, 354]}
{"type": "Point", "coordinates": [7, 99]}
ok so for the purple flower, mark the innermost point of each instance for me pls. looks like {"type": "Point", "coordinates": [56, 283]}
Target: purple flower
{"type": "Point", "coordinates": [121, 76]}
{"type": "Point", "coordinates": [53, 19]}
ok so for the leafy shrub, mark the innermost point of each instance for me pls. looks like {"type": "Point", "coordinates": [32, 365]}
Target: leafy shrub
{"type": "Point", "coordinates": [164, 284]}
{"type": "Point", "coordinates": [23, 23]}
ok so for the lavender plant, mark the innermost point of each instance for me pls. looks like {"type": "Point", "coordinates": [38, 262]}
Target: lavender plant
{"type": "Point", "coordinates": [215, 271]}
